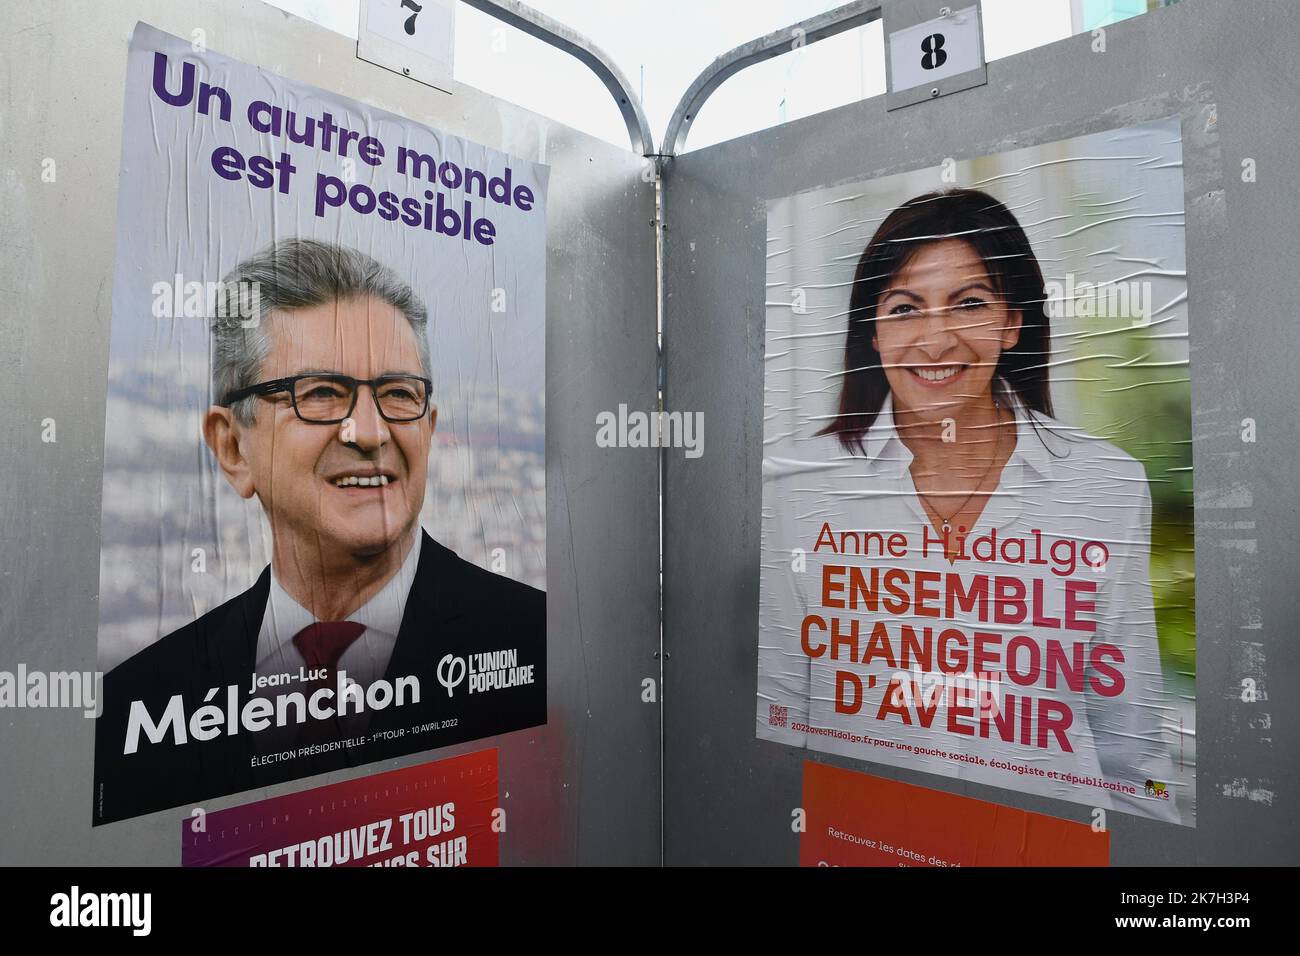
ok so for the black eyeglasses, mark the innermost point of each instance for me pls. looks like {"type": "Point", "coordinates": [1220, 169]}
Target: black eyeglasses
{"type": "Point", "coordinates": [327, 399]}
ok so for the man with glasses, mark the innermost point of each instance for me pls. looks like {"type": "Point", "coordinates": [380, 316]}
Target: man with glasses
{"type": "Point", "coordinates": [323, 412]}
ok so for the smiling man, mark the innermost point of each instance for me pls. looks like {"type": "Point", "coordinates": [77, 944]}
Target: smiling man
{"type": "Point", "coordinates": [364, 637]}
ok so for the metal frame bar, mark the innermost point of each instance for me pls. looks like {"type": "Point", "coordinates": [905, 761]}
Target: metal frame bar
{"type": "Point", "coordinates": [538, 25]}
{"type": "Point", "coordinates": [816, 28]}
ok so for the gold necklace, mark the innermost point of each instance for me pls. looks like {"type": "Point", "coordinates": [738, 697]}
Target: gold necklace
{"type": "Point", "coordinates": [947, 521]}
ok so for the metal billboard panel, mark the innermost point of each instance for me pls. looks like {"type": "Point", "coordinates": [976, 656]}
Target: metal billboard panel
{"type": "Point", "coordinates": [728, 796]}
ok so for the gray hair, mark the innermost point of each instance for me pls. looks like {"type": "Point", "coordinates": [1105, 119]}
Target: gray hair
{"type": "Point", "coordinates": [295, 274]}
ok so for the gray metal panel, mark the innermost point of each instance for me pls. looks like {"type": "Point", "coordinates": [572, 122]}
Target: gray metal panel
{"type": "Point", "coordinates": [728, 797]}
{"type": "Point", "coordinates": [583, 789]}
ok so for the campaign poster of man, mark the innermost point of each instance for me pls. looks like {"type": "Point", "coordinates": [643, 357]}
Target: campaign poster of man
{"type": "Point", "coordinates": [978, 536]}
{"type": "Point", "coordinates": [324, 530]}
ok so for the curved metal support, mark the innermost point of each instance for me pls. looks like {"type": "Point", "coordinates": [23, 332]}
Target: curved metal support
{"type": "Point", "coordinates": [756, 51]}
{"type": "Point", "coordinates": [550, 31]}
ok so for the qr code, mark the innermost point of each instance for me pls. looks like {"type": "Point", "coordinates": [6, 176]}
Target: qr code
{"type": "Point", "coordinates": [776, 715]}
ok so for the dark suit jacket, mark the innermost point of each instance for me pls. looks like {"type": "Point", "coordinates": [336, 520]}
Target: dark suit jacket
{"type": "Point", "coordinates": [454, 607]}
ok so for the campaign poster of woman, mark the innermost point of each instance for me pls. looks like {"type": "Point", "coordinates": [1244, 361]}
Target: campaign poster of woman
{"type": "Point", "coordinates": [978, 536]}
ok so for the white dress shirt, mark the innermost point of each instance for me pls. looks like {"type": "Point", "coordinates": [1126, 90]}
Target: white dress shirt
{"type": "Point", "coordinates": [1068, 486]}
{"type": "Point", "coordinates": [366, 659]}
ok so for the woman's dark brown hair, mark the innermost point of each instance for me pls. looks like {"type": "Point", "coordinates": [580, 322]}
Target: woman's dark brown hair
{"type": "Point", "coordinates": [992, 231]}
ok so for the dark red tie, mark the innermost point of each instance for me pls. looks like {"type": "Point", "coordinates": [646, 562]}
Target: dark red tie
{"type": "Point", "coordinates": [321, 645]}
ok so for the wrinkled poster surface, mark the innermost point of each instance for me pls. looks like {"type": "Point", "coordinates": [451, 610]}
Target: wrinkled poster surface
{"type": "Point", "coordinates": [977, 544]}
{"type": "Point", "coordinates": [324, 470]}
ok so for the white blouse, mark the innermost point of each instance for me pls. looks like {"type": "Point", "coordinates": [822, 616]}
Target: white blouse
{"type": "Point", "coordinates": [1072, 489]}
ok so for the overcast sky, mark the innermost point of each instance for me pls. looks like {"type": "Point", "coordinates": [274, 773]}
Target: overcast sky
{"type": "Point", "coordinates": [665, 44]}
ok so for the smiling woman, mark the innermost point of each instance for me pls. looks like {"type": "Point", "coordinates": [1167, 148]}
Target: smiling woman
{"type": "Point", "coordinates": [946, 318]}
{"type": "Point", "coordinates": [944, 436]}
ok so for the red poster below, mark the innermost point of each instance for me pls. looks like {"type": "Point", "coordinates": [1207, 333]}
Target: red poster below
{"type": "Point", "coordinates": [857, 820]}
{"type": "Point", "coordinates": [434, 814]}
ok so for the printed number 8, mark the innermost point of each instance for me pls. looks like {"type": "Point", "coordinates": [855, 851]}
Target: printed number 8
{"type": "Point", "coordinates": [935, 55]}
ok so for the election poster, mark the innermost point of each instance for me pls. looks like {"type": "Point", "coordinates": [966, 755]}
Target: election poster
{"type": "Point", "coordinates": [854, 819]}
{"type": "Point", "coordinates": [323, 515]}
{"type": "Point", "coordinates": [441, 814]}
{"type": "Point", "coordinates": [977, 529]}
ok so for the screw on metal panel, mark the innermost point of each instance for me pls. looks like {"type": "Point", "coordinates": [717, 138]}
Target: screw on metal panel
{"type": "Point", "coordinates": [945, 11]}
{"type": "Point", "coordinates": [406, 70]}
{"type": "Point", "coordinates": [934, 91]}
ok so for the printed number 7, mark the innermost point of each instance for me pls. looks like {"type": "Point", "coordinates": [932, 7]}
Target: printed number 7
{"type": "Point", "coordinates": [410, 21]}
